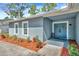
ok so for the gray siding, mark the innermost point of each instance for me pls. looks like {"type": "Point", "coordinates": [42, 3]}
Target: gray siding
{"type": "Point", "coordinates": [71, 27]}
{"type": "Point", "coordinates": [4, 28]}
{"type": "Point", "coordinates": [11, 25]}
{"type": "Point", "coordinates": [35, 28]}
{"type": "Point", "coordinates": [47, 28]}
{"type": "Point", "coordinates": [77, 28]}
{"type": "Point", "coordinates": [42, 27]}
{"type": "Point", "coordinates": [74, 5]}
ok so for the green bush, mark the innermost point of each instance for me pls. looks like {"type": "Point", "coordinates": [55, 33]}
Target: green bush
{"type": "Point", "coordinates": [28, 39]}
{"type": "Point", "coordinates": [14, 37]}
{"type": "Point", "coordinates": [73, 50]}
{"type": "Point", "coordinates": [37, 39]}
{"type": "Point", "coordinates": [5, 34]}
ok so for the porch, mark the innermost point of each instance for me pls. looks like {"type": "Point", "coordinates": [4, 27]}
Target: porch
{"type": "Point", "coordinates": [60, 29]}
{"type": "Point", "coordinates": [57, 42]}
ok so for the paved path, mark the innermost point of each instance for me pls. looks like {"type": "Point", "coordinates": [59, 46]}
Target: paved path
{"type": "Point", "coordinates": [50, 50]}
{"type": "Point", "coordinates": [7, 49]}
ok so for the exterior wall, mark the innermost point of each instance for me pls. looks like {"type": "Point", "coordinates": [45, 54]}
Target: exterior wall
{"type": "Point", "coordinates": [4, 28]}
{"type": "Point", "coordinates": [42, 27]}
{"type": "Point", "coordinates": [74, 5]}
{"type": "Point", "coordinates": [35, 28]}
{"type": "Point", "coordinates": [71, 27]}
{"type": "Point", "coordinates": [11, 29]}
{"type": "Point", "coordinates": [77, 28]}
{"type": "Point", "coordinates": [47, 28]}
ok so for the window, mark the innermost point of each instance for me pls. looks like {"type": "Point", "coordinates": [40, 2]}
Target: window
{"type": "Point", "coordinates": [25, 26]}
{"type": "Point", "coordinates": [16, 28]}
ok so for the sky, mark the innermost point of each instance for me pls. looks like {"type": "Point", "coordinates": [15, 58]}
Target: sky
{"type": "Point", "coordinates": [39, 5]}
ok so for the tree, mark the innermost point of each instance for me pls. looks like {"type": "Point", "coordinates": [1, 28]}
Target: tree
{"type": "Point", "coordinates": [48, 7]}
{"type": "Point", "coordinates": [33, 10]}
{"type": "Point", "coordinates": [15, 10]}
{"type": "Point", "coordinates": [6, 18]}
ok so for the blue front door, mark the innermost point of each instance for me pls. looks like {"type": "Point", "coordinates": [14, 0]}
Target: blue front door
{"type": "Point", "coordinates": [60, 30]}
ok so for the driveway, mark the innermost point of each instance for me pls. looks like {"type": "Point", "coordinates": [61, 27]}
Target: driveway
{"type": "Point", "coordinates": [7, 49]}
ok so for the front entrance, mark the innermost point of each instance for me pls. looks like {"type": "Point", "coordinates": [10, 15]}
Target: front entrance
{"type": "Point", "coordinates": [60, 30]}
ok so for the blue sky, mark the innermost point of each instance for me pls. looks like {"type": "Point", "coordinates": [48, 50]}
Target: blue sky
{"type": "Point", "coordinates": [39, 5]}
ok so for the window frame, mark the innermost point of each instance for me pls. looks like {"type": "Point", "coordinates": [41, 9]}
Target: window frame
{"type": "Point", "coordinates": [26, 28]}
{"type": "Point", "coordinates": [15, 28]}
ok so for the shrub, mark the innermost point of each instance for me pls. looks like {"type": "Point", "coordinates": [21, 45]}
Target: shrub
{"type": "Point", "coordinates": [20, 39]}
{"type": "Point", "coordinates": [28, 39]}
{"type": "Point", "coordinates": [14, 37]}
{"type": "Point", "coordinates": [73, 51]}
{"type": "Point", "coordinates": [37, 41]}
{"type": "Point", "coordinates": [5, 34]}
{"type": "Point", "coordinates": [2, 37]}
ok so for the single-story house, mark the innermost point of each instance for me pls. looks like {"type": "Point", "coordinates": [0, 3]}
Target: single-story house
{"type": "Point", "coordinates": [59, 25]}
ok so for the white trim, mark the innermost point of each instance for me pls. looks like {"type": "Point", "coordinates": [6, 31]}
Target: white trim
{"type": "Point", "coordinates": [15, 29]}
{"type": "Point", "coordinates": [0, 30]}
{"type": "Point", "coordinates": [62, 22]}
{"type": "Point", "coordinates": [23, 28]}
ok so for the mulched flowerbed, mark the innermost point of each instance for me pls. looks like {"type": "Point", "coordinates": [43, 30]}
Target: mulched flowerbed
{"type": "Point", "coordinates": [30, 44]}
{"type": "Point", "coordinates": [65, 50]}
{"type": "Point", "coordinates": [73, 42]}
{"type": "Point", "coordinates": [33, 44]}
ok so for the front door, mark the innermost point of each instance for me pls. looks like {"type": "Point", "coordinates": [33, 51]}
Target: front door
{"type": "Point", "coordinates": [60, 30]}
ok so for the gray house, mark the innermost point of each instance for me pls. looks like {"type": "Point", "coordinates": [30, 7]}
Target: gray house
{"type": "Point", "coordinates": [52, 25]}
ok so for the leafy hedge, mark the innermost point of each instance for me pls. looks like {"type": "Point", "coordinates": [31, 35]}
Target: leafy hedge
{"type": "Point", "coordinates": [73, 50]}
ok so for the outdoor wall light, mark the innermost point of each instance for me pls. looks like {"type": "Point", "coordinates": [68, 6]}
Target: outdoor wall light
{"type": "Point", "coordinates": [70, 24]}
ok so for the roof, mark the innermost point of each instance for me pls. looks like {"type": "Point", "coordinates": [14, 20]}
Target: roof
{"type": "Point", "coordinates": [47, 14]}
{"type": "Point", "coordinates": [63, 11]}
{"type": "Point", "coordinates": [2, 22]}
{"type": "Point", "coordinates": [67, 11]}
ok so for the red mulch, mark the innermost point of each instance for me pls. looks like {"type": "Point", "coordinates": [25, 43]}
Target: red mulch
{"type": "Point", "coordinates": [64, 52]}
{"type": "Point", "coordinates": [32, 44]}
{"type": "Point", "coordinates": [74, 42]}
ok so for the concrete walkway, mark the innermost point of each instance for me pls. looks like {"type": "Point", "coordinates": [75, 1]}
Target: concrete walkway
{"type": "Point", "coordinates": [50, 50]}
{"type": "Point", "coordinates": [7, 49]}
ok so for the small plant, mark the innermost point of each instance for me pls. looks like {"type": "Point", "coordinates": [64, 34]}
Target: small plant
{"type": "Point", "coordinates": [28, 39]}
{"type": "Point", "coordinates": [37, 39]}
{"type": "Point", "coordinates": [2, 36]}
{"type": "Point", "coordinates": [14, 37]}
{"type": "Point", "coordinates": [73, 51]}
{"type": "Point", "coordinates": [6, 35]}
{"type": "Point", "coordinates": [20, 39]}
